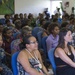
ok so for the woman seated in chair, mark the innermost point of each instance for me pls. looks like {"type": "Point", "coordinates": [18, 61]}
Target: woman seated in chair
{"type": "Point", "coordinates": [64, 54]}
{"type": "Point", "coordinates": [29, 61]}
{"type": "Point", "coordinates": [4, 70]}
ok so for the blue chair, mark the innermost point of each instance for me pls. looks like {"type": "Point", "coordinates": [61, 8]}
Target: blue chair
{"type": "Point", "coordinates": [44, 44]}
{"type": "Point", "coordinates": [59, 20]}
{"type": "Point", "coordinates": [2, 20]}
{"type": "Point", "coordinates": [45, 47]}
{"type": "Point", "coordinates": [14, 63]}
{"type": "Point", "coordinates": [39, 38]}
{"type": "Point", "coordinates": [36, 30]}
{"type": "Point", "coordinates": [51, 59]}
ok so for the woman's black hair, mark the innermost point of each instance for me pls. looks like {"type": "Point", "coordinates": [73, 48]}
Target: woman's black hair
{"type": "Point", "coordinates": [64, 24]}
{"type": "Point", "coordinates": [46, 25]}
{"type": "Point", "coordinates": [5, 31]}
{"type": "Point", "coordinates": [63, 33]}
{"type": "Point", "coordinates": [25, 40]}
{"type": "Point", "coordinates": [51, 27]}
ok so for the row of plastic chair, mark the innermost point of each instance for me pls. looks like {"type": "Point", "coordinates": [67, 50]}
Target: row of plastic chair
{"type": "Point", "coordinates": [14, 63]}
{"type": "Point", "coordinates": [50, 55]}
{"type": "Point", "coordinates": [36, 30]}
{"type": "Point", "coordinates": [39, 38]}
{"type": "Point", "coordinates": [51, 59]}
{"type": "Point", "coordinates": [42, 44]}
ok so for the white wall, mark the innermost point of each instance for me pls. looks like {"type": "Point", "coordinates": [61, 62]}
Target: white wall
{"type": "Point", "coordinates": [71, 4]}
{"type": "Point", "coordinates": [30, 6]}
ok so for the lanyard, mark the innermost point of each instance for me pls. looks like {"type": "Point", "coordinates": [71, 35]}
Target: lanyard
{"type": "Point", "coordinates": [32, 55]}
{"type": "Point", "coordinates": [35, 58]}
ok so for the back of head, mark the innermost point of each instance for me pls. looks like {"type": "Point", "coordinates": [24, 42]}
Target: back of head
{"type": "Point", "coordinates": [25, 40]}
{"type": "Point", "coordinates": [7, 21]}
{"type": "Point", "coordinates": [5, 31]}
{"type": "Point", "coordinates": [45, 26]}
{"type": "Point", "coordinates": [55, 20]}
{"type": "Point", "coordinates": [64, 24]}
{"type": "Point", "coordinates": [26, 31]}
{"type": "Point", "coordinates": [18, 24]}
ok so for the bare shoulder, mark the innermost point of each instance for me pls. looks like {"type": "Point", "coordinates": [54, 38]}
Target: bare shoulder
{"type": "Point", "coordinates": [22, 54]}
{"type": "Point", "coordinates": [59, 51]}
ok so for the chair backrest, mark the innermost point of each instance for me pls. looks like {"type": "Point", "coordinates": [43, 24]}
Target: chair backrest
{"type": "Point", "coordinates": [39, 38]}
{"type": "Point", "coordinates": [51, 59]}
{"type": "Point", "coordinates": [14, 63]}
{"type": "Point", "coordinates": [36, 30]}
{"type": "Point", "coordinates": [44, 44]}
{"type": "Point", "coordinates": [2, 20]}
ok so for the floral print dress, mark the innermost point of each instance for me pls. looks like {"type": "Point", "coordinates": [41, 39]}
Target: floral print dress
{"type": "Point", "coordinates": [6, 70]}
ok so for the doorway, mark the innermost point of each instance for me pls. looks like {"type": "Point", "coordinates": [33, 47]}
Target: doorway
{"type": "Point", "coordinates": [54, 5]}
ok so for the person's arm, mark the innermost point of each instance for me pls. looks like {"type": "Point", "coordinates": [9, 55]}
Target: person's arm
{"type": "Point", "coordinates": [48, 44]}
{"type": "Point", "coordinates": [73, 50]}
{"type": "Point", "coordinates": [43, 67]}
{"type": "Point", "coordinates": [7, 54]}
{"type": "Point", "coordinates": [44, 33]}
{"type": "Point", "coordinates": [1, 69]}
{"type": "Point", "coordinates": [23, 60]}
{"type": "Point", "coordinates": [62, 55]}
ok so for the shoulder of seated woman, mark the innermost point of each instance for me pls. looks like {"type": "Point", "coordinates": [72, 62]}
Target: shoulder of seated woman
{"type": "Point", "coordinates": [23, 52]}
{"type": "Point", "coordinates": [58, 50]}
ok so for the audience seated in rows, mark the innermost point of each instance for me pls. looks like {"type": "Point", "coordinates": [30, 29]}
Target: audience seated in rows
{"type": "Point", "coordinates": [4, 70]}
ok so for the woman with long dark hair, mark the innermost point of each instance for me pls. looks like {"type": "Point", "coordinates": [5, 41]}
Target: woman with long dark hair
{"type": "Point", "coordinates": [64, 54]}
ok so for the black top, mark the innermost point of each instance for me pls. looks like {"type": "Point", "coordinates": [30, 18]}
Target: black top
{"type": "Point", "coordinates": [60, 62]}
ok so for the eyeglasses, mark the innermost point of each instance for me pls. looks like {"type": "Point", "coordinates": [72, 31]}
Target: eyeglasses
{"type": "Point", "coordinates": [33, 42]}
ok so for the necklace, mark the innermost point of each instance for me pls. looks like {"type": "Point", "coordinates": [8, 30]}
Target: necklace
{"type": "Point", "coordinates": [68, 53]}
{"type": "Point", "coordinates": [40, 66]}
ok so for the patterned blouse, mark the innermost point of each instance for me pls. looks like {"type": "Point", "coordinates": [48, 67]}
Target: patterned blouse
{"type": "Point", "coordinates": [6, 70]}
{"type": "Point", "coordinates": [33, 63]}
